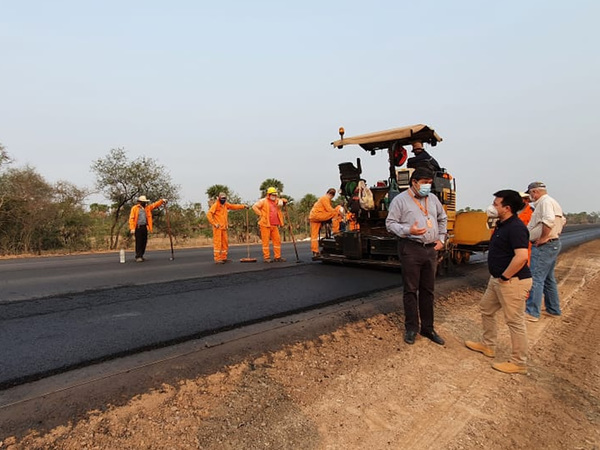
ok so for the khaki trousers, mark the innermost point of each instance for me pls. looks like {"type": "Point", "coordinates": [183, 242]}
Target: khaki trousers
{"type": "Point", "coordinates": [510, 296]}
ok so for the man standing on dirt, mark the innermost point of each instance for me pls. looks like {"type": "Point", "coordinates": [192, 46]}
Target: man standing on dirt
{"type": "Point", "coordinates": [217, 217]}
{"type": "Point", "coordinates": [140, 224]}
{"type": "Point", "coordinates": [321, 212]}
{"type": "Point", "coordinates": [508, 285]}
{"type": "Point", "coordinates": [419, 219]}
{"type": "Point", "coordinates": [545, 227]}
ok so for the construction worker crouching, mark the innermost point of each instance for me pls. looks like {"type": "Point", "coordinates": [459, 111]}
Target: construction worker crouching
{"type": "Point", "coordinates": [140, 224]}
{"type": "Point", "coordinates": [270, 219]}
{"type": "Point", "coordinates": [217, 216]}
{"type": "Point", "coordinates": [322, 211]}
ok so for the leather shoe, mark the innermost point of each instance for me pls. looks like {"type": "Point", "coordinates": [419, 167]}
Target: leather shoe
{"type": "Point", "coordinates": [433, 336]}
{"type": "Point", "coordinates": [409, 337]}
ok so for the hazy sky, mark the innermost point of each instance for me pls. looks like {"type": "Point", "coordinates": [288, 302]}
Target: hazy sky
{"type": "Point", "coordinates": [235, 92]}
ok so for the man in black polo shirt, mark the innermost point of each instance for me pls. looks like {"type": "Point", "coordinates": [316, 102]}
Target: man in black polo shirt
{"type": "Point", "coordinates": [509, 284]}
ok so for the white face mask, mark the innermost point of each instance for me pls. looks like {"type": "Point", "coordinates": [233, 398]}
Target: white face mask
{"type": "Point", "coordinates": [492, 212]}
{"type": "Point", "coordinates": [273, 197]}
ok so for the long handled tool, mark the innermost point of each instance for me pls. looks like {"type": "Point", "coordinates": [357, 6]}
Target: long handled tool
{"type": "Point", "coordinates": [287, 216]}
{"type": "Point", "coordinates": [169, 231]}
{"type": "Point", "coordinates": [248, 259]}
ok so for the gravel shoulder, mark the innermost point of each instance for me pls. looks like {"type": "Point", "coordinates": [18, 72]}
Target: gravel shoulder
{"type": "Point", "coordinates": [345, 379]}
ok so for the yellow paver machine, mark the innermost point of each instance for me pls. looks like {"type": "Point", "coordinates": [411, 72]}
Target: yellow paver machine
{"type": "Point", "coordinates": [364, 240]}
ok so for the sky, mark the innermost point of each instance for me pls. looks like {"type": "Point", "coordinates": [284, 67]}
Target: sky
{"type": "Point", "coordinates": [235, 92]}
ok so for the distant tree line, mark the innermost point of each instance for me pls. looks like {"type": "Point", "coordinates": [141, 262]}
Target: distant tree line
{"type": "Point", "coordinates": [38, 217]}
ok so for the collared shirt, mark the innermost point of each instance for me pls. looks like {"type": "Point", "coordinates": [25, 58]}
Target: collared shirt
{"type": "Point", "coordinates": [547, 212]}
{"type": "Point", "coordinates": [404, 212]}
{"type": "Point", "coordinates": [508, 236]}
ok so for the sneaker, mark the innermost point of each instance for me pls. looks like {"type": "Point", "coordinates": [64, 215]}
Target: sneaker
{"type": "Point", "coordinates": [531, 318]}
{"type": "Point", "coordinates": [266, 261]}
{"type": "Point", "coordinates": [139, 259]}
{"type": "Point", "coordinates": [220, 262]}
{"type": "Point", "coordinates": [479, 347]}
{"type": "Point", "coordinates": [279, 260]}
{"type": "Point", "coordinates": [547, 314]}
{"type": "Point", "coordinates": [509, 367]}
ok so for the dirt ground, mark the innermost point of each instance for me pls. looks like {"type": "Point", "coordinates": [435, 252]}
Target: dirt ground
{"type": "Point", "coordinates": [360, 386]}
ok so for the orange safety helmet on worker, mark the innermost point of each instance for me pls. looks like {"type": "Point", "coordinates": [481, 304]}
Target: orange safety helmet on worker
{"type": "Point", "coordinates": [270, 219]}
{"type": "Point", "coordinates": [217, 217]}
{"type": "Point", "coordinates": [321, 211]}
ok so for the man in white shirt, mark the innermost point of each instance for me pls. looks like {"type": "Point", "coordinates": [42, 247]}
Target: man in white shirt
{"type": "Point", "coordinates": [545, 227]}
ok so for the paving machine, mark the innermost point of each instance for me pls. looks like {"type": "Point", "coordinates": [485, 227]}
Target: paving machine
{"type": "Point", "coordinates": [365, 240]}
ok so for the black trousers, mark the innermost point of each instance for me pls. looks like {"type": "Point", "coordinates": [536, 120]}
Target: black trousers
{"type": "Point", "coordinates": [141, 239]}
{"type": "Point", "coordinates": [418, 276]}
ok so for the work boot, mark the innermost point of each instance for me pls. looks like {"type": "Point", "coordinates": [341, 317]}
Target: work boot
{"type": "Point", "coordinates": [479, 347]}
{"type": "Point", "coordinates": [220, 262]}
{"type": "Point", "coordinates": [509, 367]}
{"type": "Point", "coordinates": [266, 261]}
{"type": "Point", "coordinates": [279, 260]}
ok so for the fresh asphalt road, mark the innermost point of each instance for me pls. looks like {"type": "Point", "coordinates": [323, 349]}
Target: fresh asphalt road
{"type": "Point", "coordinates": [126, 308]}
{"type": "Point", "coordinates": [58, 313]}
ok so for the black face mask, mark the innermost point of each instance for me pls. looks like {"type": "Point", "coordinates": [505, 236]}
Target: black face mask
{"type": "Point", "coordinates": [222, 201]}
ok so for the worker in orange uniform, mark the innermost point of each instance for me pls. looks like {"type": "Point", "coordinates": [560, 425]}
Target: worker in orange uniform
{"type": "Point", "coordinates": [270, 219]}
{"type": "Point", "coordinates": [140, 224]}
{"type": "Point", "coordinates": [322, 211]}
{"type": "Point", "coordinates": [217, 216]}
{"type": "Point", "coordinates": [525, 216]}
{"type": "Point", "coordinates": [338, 219]}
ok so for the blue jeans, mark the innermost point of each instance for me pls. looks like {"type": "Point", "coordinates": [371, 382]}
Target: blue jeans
{"type": "Point", "coordinates": [543, 260]}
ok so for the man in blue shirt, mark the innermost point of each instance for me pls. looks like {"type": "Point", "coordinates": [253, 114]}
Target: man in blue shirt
{"type": "Point", "coordinates": [509, 284]}
{"type": "Point", "coordinates": [418, 218]}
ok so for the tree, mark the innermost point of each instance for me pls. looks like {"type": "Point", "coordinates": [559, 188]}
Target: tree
{"type": "Point", "coordinates": [26, 211]}
{"type": "Point", "coordinates": [122, 181]}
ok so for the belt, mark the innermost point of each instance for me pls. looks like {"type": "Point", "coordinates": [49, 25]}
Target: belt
{"type": "Point", "coordinates": [142, 226]}
{"type": "Point", "coordinates": [549, 240]}
{"type": "Point", "coordinates": [419, 243]}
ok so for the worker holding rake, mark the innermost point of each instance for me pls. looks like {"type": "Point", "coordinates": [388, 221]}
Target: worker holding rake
{"type": "Point", "coordinates": [270, 219]}
{"type": "Point", "coordinates": [217, 216]}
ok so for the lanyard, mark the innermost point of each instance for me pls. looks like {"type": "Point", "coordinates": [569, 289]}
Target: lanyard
{"type": "Point", "coordinates": [425, 210]}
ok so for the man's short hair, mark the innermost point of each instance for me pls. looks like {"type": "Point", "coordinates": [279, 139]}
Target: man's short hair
{"type": "Point", "coordinates": [421, 173]}
{"type": "Point", "coordinates": [511, 198]}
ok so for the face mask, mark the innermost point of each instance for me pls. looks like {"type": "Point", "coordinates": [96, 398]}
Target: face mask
{"type": "Point", "coordinates": [424, 189]}
{"type": "Point", "coordinates": [491, 212]}
{"type": "Point", "coordinates": [222, 201]}
{"type": "Point", "coordinates": [273, 197]}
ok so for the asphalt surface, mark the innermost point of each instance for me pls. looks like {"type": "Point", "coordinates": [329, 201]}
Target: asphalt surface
{"type": "Point", "coordinates": [43, 336]}
{"type": "Point", "coordinates": [60, 313]}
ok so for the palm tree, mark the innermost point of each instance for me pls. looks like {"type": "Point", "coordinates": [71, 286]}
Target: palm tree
{"type": "Point", "coordinates": [270, 182]}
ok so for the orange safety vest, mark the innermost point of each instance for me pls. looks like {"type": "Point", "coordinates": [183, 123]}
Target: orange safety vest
{"type": "Point", "coordinates": [135, 211]}
{"type": "Point", "coordinates": [261, 208]}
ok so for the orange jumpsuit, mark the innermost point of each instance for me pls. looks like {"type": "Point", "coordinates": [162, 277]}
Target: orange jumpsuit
{"type": "Point", "coordinates": [217, 216]}
{"type": "Point", "coordinates": [525, 216]}
{"type": "Point", "coordinates": [337, 219]}
{"type": "Point", "coordinates": [269, 220]}
{"type": "Point", "coordinates": [320, 212]}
